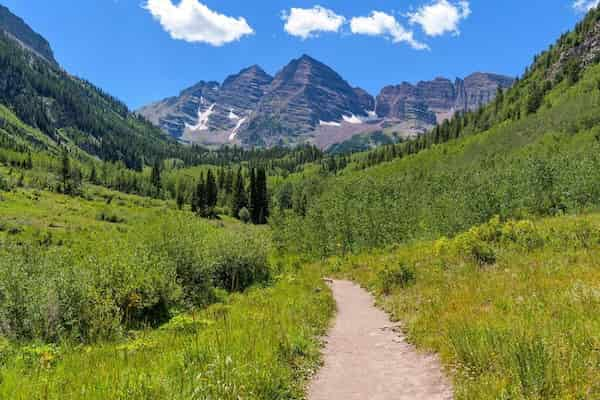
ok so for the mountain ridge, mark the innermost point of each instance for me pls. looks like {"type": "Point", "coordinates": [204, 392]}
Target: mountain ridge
{"type": "Point", "coordinates": [18, 30]}
{"type": "Point", "coordinates": [309, 102]}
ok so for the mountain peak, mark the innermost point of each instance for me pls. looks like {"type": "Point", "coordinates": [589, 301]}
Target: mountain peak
{"type": "Point", "coordinates": [307, 58]}
{"type": "Point", "coordinates": [309, 101]}
{"type": "Point", "coordinates": [253, 69]}
{"type": "Point", "coordinates": [251, 72]}
{"type": "Point", "coordinates": [16, 29]}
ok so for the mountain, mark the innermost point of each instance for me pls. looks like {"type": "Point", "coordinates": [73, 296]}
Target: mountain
{"type": "Point", "coordinates": [66, 109]}
{"type": "Point", "coordinates": [434, 101]}
{"type": "Point", "coordinates": [308, 102]}
{"type": "Point", "coordinates": [175, 113]}
{"type": "Point", "coordinates": [302, 94]}
{"type": "Point", "coordinates": [17, 29]}
{"type": "Point", "coordinates": [209, 112]}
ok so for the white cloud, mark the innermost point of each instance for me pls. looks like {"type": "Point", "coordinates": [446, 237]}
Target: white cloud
{"type": "Point", "coordinates": [308, 22]}
{"type": "Point", "coordinates": [441, 17]}
{"type": "Point", "coordinates": [192, 21]}
{"type": "Point", "coordinates": [585, 5]}
{"type": "Point", "coordinates": [382, 24]}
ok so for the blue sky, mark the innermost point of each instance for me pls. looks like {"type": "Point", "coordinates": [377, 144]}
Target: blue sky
{"type": "Point", "coordinates": [144, 50]}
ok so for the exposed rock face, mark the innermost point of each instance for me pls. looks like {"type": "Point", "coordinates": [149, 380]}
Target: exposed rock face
{"type": "Point", "coordinates": [174, 114]}
{"type": "Point", "coordinates": [436, 100]}
{"type": "Point", "coordinates": [309, 102]}
{"type": "Point", "coordinates": [439, 95]}
{"type": "Point", "coordinates": [367, 101]}
{"type": "Point", "coordinates": [208, 111]}
{"type": "Point", "coordinates": [403, 102]}
{"type": "Point", "coordinates": [302, 94]}
{"type": "Point", "coordinates": [478, 90]}
{"type": "Point", "coordinates": [243, 91]}
{"type": "Point", "coordinates": [18, 30]}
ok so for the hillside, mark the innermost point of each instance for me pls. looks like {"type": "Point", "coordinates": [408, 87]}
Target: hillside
{"type": "Point", "coordinates": [18, 30]}
{"type": "Point", "coordinates": [515, 157]}
{"type": "Point", "coordinates": [134, 267]}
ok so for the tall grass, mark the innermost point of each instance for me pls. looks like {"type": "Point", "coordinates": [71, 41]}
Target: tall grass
{"type": "Point", "coordinates": [259, 345]}
{"type": "Point", "coordinates": [68, 275]}
{"type": "Point", "coordinates": [520, 322]}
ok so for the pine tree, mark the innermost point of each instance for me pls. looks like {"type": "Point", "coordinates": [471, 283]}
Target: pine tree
{"type": "Point", "coordinates": [93, 175]}
{"type": "Point", "coordinates": [535, 98]}
{"type": "Point", "coordinates": [199, 202]}
{"type": "Point", "coordinates": [238, 200]}
{"type": "Point", "coordinates": [155, 177]}
{"type": "Point", "coordinates": [254, 201]}
{"type": "Point", "coordinates": [212, 192]}
{"type": "Point", "coordinates": [65, 172]}
{"type": "Point", "coordinates": [29, 161]}
{"type": "Point", "coordinates": [228, 185]}
{"type": "Point", "coordinates": [262, 197]}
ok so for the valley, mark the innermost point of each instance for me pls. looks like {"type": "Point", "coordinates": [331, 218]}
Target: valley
{"type": "Point", "coordinates": [211, 245]}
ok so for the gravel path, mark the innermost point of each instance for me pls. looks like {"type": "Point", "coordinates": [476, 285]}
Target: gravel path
{"type": "Point", "coordinates": [367, 358]}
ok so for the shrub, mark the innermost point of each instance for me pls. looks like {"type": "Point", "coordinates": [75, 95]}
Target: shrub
{"type": "Point", "coordinates": [187, 324]}
{"type": "Point", "coordinates": [14, 230]}
{"type": "Point", "coordinates": [109, 216]}
{"type": "Point", "coordinates": [244, 215]}
{"type": "Point", "coordinates": [391, 277]}
{"type": "Point", "coordinates": [470, 246]}
{"type": "Point", "coordinates": [522, 233]}
{"type": "Point", "coordinates": [490, 232]}
{"type": "Point", "coordinates": [483, 253]}
{"type": "Point", "coordinates": [4, 184]}
{"type": "Point", "coordinates": [236, 267]}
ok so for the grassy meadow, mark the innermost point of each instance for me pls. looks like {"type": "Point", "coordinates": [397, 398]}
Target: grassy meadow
{"type": "Point", "coordinates": [512, 308]}
{"type": "Point", "coordinates": [259, 345]}
{"type": "Point", "coordinates": [116, 296]}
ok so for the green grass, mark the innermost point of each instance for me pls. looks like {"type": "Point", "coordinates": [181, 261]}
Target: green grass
{"type": "Point", "coordinates": [543, 164]}
{"type": "Point", "coordinates": [511, 308]}
{"type": "Point", "coordinates": [116, 296]}
{"type": "Point", "coordinates": [259, 345]}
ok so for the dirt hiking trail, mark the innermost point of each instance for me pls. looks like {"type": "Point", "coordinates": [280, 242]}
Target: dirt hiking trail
{"type": "Point", "coordinates": [367, 358]}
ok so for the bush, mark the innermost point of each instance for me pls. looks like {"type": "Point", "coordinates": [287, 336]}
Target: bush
{"type": "Point", "coordinates": [244, 215]}
{"type": "Point", "coordinates": [186, 324]}
{"type": "Point", "coordinates": [238, 265]}
{"type": "Point", "coordinates": [4, 184]}
{"type": "Point", "coordinates": [469, 245]}
{"type": "Point", "coordinates": [110, 216]}
{"type": "Point", "coordinates": [522, 233]}
{"type": "Point", "coordinates": [392, 277]}
{"type": "Point", "coordinates": [483, 253]}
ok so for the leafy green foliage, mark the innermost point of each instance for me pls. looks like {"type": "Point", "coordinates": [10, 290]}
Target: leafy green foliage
{"type": "Point", "coordinates": [546, 163]}
{"type": "Point", "coordinates": [94, 280]}
{"type": "Point", "coordinates": [522, 328]}
{"type": "Point", "coordinates": [397, 276]}
{"type": "Point", "coordinates": [260, 345]}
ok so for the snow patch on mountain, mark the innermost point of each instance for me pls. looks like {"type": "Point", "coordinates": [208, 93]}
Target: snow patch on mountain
{"type": "Point", "coordinates": [329, 123]}
{"type": "Point", "coordinates": [236, 129]}
{"type": "Point", "coordinates": [233, 116]}
{"type": "Point", "coordinates": [352, 119]}
{"type": "Point", "coordinates": [203, 117]}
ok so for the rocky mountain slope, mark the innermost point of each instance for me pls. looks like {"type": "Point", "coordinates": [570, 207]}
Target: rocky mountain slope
{"type": "Point", "coordinates": [307, 101]}
{"type": "Point", "coordinates": [437, 100]}
{"type": "Point", "coordinates": [69, 110]}
{"type": "Point", "coordinates": [18, 30]}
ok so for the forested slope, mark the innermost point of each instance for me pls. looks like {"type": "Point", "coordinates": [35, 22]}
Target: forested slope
{"type": "Point", "coordinates": [531, 152]}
